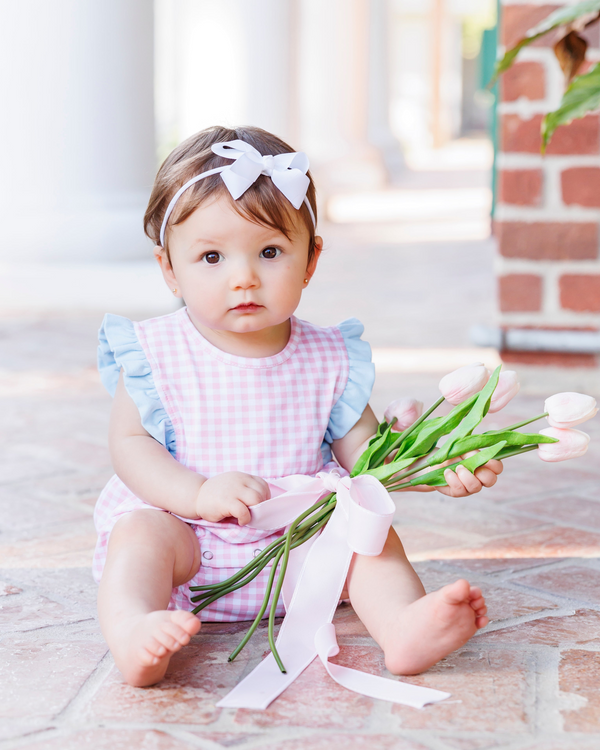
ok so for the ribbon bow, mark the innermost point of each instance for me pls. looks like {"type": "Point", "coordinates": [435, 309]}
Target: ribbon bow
{"type": "Point", "coordinates": [313, 583]}
{"type": "Point", "coordinates": [288, 171]}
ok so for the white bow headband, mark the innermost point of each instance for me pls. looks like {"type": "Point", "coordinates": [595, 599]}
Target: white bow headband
{"type": "Point", "coordinates": [288, 172]}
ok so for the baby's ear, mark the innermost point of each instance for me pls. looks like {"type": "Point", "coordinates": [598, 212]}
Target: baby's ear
{"type": "Point", "coordinates": [318, 248]}
{"type": "Point", "coordinates": [163, 261]}
{"type": "Point", "coordinates": [160, 254]}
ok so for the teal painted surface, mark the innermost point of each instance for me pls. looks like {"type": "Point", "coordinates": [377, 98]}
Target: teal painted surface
{"type": "Point", "coordinates": [489, 52]}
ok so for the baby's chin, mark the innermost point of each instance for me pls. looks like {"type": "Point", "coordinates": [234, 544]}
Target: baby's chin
{"type": "Point", "coordinates": [240, 323]}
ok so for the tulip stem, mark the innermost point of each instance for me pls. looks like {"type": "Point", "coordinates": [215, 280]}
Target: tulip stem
{"type": "Point", "coordinates": [518, 424]}
{"type": "Point", "coordinates": [422, 465]}
{"type": "Point", "coordinates": [518, 451]}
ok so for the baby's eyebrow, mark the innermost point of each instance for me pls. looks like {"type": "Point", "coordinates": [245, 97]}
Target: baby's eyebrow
{"type": "Point", "coordinates": [203, 241]}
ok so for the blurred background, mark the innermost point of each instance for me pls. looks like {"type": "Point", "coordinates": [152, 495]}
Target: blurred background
{"type": "Point", "coordinates": [387, 97]}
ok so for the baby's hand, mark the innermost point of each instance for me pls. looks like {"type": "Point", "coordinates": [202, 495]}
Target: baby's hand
{"type": "Point", "coordinates": [230, 495]}
{"type": "Point", "coordinates": [462, 483]}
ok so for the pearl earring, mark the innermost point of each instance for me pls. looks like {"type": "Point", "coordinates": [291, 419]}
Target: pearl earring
{"type": "Point", "coordinates": [306, 281]}
{"type": "Point", "coordinates": [174, 290]}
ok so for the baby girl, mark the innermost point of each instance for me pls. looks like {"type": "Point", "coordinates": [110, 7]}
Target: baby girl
{"type": "Point", "coordinates": [231, 391]}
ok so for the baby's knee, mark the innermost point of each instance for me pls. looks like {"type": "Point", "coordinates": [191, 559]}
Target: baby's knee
{"type": "Point", "coordinates": [138, 524]}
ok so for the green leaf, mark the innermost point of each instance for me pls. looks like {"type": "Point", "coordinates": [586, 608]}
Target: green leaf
{"type": "Point", "coordinates": [435, 478]}
{"type": "Point", "coordinates": [560, 17]}
{"type": "Point", "coordinates": [581, 97]}
{"type": "Point", "coordinates": [377, 446]}
{"type": "Point", "coordinates": [511, 450]}
{"type": "Point", "coordinates": [386, 471]}
{"type": "Point", "coordinates": [433, 429]}
{"type": "Point", "coordinates": [477, 413]}
{"type": "Point", "coordinates": [484, 440]}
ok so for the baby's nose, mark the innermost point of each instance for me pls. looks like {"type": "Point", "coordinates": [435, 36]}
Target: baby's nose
{"type": "Point", "coordinates": [244, 276]}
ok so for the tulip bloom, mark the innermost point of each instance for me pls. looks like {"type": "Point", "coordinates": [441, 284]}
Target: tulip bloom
{"type": "Point", "coordinates": [460, 384]}
{"type": "Point", "coordinates": [571, 444]}
{"type": "Point", "coordinates": [569, 409]}
{"type": "Point", "coordinates": [508, 386]}
{"type": "Point", "coordinates": [406, 411]}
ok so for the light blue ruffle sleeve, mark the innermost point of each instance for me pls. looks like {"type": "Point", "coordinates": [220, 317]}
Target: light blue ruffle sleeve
{"type": "Point", "coordinates": [119, 349]}
{"type": "Point", "coordinates": [351, 404]}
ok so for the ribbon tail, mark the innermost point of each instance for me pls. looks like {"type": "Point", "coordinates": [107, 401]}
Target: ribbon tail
{"type": "Point", "coordinates": [324, 572]}
{"type": "Point", "coordinates": [370, 684]}
{"type": "Point", "coordinates": [296, 563]}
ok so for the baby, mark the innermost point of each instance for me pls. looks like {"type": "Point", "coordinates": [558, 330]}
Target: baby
{"type": "Point", "coordinates": [212, 401]}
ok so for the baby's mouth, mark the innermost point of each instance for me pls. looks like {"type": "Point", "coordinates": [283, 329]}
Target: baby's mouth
{"type": "Point", "coordinates": [247, 307]}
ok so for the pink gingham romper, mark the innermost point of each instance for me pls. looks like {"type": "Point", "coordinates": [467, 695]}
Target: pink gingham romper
{"type": "Point", "coordinates": [217, 412]}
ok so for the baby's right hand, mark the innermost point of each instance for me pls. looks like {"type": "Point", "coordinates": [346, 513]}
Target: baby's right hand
{"type": "Point", "coordinates": [230, 495]}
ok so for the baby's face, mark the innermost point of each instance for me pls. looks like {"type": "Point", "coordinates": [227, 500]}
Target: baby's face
{"type": "Point", "coordinates": [235, 275]}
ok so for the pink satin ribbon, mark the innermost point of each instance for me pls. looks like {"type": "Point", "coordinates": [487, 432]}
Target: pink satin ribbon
{"type": "Point", "coordinates": [313, 584]}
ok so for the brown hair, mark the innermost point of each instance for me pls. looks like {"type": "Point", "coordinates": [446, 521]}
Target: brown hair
{"type": "Point", "coordinates": [262, 203]}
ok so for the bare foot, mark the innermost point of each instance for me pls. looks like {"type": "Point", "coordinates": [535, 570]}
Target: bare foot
{"type": "Point", "coordinates": [434, 626]}
{"type": "Point", "coordinates": [148, 641]}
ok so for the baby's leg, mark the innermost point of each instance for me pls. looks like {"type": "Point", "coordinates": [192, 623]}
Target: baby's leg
{"type": "Point", "coordinates": [414, 630]}
{"type": "Point", "coordinates": [149, 552]}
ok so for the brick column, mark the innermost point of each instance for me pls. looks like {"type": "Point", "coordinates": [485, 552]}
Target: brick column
{"type": "Point", "coordinates": [548, 211]}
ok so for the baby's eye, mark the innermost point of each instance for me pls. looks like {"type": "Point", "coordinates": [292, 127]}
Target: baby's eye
{"type": "Point", "coordinates": [270, 252]}
{"type": "Point", "coordinates": [212, 258]}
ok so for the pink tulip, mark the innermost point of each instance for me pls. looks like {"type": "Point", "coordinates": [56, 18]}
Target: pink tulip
{"type": "Point", "coordinates": [406, 411]}
{"type": "Point", "coordinates": [508, 386]}
{"type": "Point", "coordinates": [458, 385]}
{"type": "Point", "coordinates": [569, 409]}
{"type": "Point", "coordinates": [572, 444]}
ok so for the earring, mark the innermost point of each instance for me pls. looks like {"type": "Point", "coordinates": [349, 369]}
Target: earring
{"type": "Point", "coordinates": [306, 281]}
{"type": "Point", "coordinates": [174, 290]}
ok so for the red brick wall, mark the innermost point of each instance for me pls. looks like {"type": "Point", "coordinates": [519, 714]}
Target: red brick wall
{"type": "Point", "coordinates": [548, 210]}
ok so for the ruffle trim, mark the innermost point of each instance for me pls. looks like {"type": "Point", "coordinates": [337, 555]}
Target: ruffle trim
{"type": "Point", "coordinates": [119, 349]}
{"type": "Point", "coordinates": [353, 401]}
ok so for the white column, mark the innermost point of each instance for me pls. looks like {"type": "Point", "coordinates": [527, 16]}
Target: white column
{"type": "Point", "coordinates": [77, 131]}
{"type": "Point", "coordinates": [379, 114]}
{"type": "Point", "coordinates": [334, 94]}
{"type": "Point", "coordinates": [230, 62]}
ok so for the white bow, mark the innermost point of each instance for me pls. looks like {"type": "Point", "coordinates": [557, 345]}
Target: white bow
{"type": "Point", "coordinates": [288, 171]}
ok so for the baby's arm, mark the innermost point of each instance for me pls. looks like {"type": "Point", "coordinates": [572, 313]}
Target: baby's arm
{"type": "Point", "coordinates": [148, 469]}
{"type": "Point", "coordinates": [461, 483]}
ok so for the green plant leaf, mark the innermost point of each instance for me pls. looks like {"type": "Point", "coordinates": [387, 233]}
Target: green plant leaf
{"type": "Point", "coordinates": [477, 413]}
{"type": "Point", "coordinates": [581, 97]}
{"type": "Point", "coordinates": [560, 17]}
{"type": "Point", "coordinates": [435, 478]}
{"type": "Point", "coordinates": [377, 446]}
{"type": "Point", "coordinates": [386, 471]}
{"type": "Point", "coordinates": [484, 440]}
{"type": "Point", "coordinates": [433, 429]}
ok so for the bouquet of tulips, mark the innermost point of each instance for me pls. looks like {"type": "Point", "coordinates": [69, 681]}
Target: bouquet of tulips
{"type": "Point", "coordinates": [404, 453]}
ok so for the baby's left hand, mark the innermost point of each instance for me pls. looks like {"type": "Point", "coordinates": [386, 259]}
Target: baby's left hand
{"type": "Point", "coordinates": [462, 483]}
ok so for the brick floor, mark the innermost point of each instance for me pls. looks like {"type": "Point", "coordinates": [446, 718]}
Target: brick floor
{"type": "Point", "coordinates": [529, 681]}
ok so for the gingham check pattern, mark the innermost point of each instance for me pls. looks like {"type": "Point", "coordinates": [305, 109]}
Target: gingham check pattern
{"type": "Point", "coordinates": [264, 416]}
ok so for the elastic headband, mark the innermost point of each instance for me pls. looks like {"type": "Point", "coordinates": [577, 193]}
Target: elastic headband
{"type": "Point", "coordinates": [288, 172]}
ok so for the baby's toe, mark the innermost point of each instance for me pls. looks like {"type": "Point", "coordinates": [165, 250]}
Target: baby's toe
{"type": "Point", "coordinates": [152, 651]}
{"type": "Point", "coordinates": [477, 603]}
{"type": "Point", "coordinates": [176, 633]}
{"type": "Point", "coordinates": [186, 620]}
{"type": "Point", "coordinates": [167, 640]}
{"type": "Point", "coordinates": [481, 622]}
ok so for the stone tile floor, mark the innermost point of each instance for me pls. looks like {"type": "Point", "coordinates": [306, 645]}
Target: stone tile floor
{"type": "Point", "coordinates": [528, 681]}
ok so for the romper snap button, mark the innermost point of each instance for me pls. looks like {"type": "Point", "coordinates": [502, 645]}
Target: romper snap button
{"type": "Point", "coordinates": [208, 555]}
{"type": "Point", "coordinates": [257, 552]}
